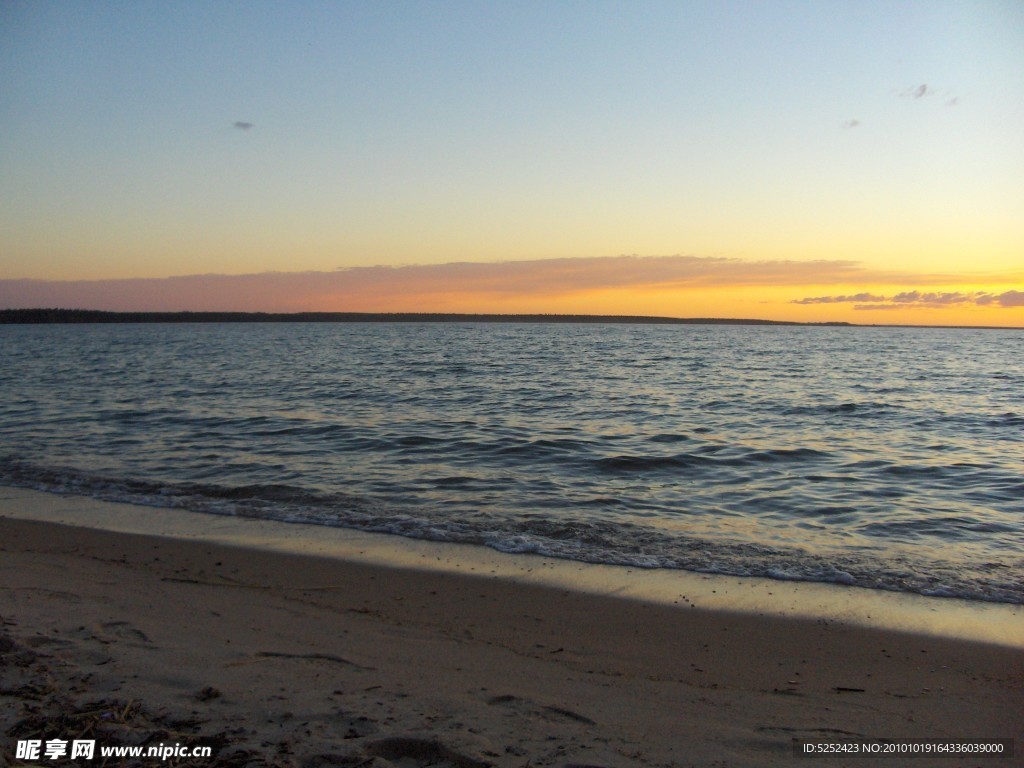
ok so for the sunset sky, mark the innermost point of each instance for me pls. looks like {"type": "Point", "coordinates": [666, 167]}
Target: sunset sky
{"type": "Point", "coordinates": [858, 161]}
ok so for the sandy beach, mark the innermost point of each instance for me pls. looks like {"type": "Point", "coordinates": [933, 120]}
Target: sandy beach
{"type": "Point", "coordinates": [284, 659]}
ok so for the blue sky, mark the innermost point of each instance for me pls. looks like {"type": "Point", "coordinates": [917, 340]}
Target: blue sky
{"type": "Point", "coordinates": [391, 133]}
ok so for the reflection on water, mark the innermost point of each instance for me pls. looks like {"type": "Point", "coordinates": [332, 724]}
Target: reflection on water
{"type": "Point", "coordinates": [878, 457]}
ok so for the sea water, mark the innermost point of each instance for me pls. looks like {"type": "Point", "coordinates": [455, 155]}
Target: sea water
{"type": "Point", "coordinates": [889, 458]}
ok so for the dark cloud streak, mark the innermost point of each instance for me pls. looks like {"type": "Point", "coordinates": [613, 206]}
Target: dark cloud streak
{"type": "Point", "coordinates": [437, 287]}
{"type": "Point", "coordinates": [429, 287]}
{"type": "Point", "coordinates": [1011, 299]}
{"type": "Point", "coordinates": [839, 299]}
{"type": "Point", "coordinates": [919, 299]}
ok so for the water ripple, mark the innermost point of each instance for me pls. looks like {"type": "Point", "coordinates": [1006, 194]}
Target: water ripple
{"type": "Point", "coordinates": [887, 458]}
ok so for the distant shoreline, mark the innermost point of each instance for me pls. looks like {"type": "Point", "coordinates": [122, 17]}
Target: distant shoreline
{"type": "Point", "coordinates": [100, 316]}
{"type": "Point", "coordinates": [75, 316]}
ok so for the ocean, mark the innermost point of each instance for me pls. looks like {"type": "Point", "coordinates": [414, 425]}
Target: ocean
{"type": "Point", "coordinates": [884, 458]}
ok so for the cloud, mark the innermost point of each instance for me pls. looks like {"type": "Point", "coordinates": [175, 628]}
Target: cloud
{"type": "Point", "coordinates": [1011, 299]}
{"type": "Point", "coordinates": [560, 276]}
{"type": "Point", "coordinates": [876, 306]}
{"type": "Point", "coordinates": [432, 287]}
{"type": "Point", "coordinates": [839, 299]}
{"type": "Point", "coordinates": [455, 286]}
{"type": "Point", "coordinates": [935, 299]}
{"type": "Point", "coordinates": [917, 92]}
{"type": "Point", "coordinates": [922, 300]}
{"type": "Point", "coordinates": [242, 125]}
{"type": "Point", "coordinates": [925, 91]}
{"type": "Point", "coordinates": [851, 123]}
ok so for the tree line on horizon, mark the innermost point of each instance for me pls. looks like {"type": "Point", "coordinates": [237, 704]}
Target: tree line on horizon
{"type": "Point", "coordinates": [56, 315]}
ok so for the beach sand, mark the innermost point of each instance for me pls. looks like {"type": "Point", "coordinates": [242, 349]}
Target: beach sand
{"type": "Point", "coordinates": [284, 659]}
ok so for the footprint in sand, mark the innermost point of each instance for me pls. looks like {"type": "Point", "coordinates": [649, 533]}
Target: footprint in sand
{"type": "Point", "coordinates": [422, 752]}
{"type": "Point", "coordinates": [122, 630]}
{"type": "Point", "coordinates": [399, 752]}
{"type": "Point", "coordinates": [75, 646]}
{"type": "Point", "coordinates": [546, 711]}
{"type": "Point", "coordinates": [355, 727]}
{"type": "Point", "coordinates": [90, 645]}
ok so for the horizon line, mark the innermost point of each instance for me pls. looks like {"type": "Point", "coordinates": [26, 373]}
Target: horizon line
{"type": "Point", "coordinates": [55, 315]}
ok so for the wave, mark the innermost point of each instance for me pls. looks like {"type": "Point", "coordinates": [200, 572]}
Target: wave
{"type": "Point", "coordinates": [708, 457]}
{"type": "Point", "coordinates": [860, 409]}
{"type": "Point", "coordinates": [571, 536]}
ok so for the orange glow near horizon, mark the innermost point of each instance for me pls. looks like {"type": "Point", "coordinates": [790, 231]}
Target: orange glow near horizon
{"type": "Point", "coordinates": [770, 303]}
{"type": "Point", "coordinates": [671, 286]}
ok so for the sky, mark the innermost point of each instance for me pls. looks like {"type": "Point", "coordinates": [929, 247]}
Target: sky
{"type": "Point", "coordinates": [815, 161]}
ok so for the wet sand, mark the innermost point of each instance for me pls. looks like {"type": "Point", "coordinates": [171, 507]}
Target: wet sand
{"type": "Point", "coordinates": [291, 659]}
